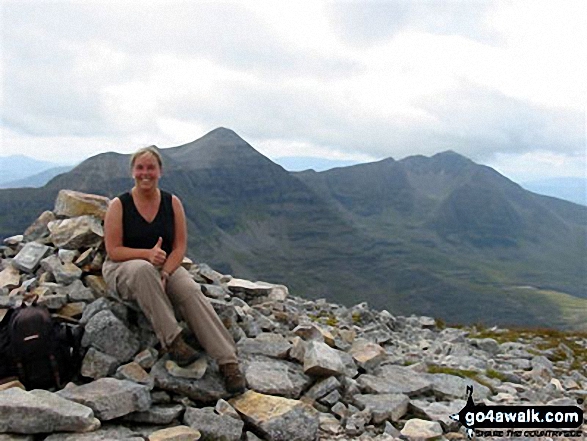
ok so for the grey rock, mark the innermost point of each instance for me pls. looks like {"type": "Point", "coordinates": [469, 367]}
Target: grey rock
{"type": "Point", "coordinates": [331, 399]}
{"type": "Point", "coordinates": [449, 387]}
{"type": "Point", "coordinates": [108, 334]}
{"type": "Point", "coordinates": [38, 228]}
{"type": "Point", "coordinates": [210, 388]}
{"type": "Point", "coordinates": [40, 411]}
{"type": "Point", "coordinates": [64, 274]}
{"type": "Point", "coordinates": [277, 418]}
{"type": "Point", "coordinates": [78, 292]}
{"type": "Point", "coordinates": [321, 360]}
{"type": "Point", "coordinates": [75, 233]}
{"type": "Point", "coordinates": [215, 291]}
{"type": "Point", "coordinates": [67, 256]}
{"type": "Point", "coordinates": [383, 406]}
{"type": "Point", "coordinates": [488, 345]}
{"type": "Point", "coordinates": [162, 414]}
{"type": "Point", "coordinates": [322, 388]}
{"type": "Point", "coordinates": [276, 377]}
{"type": "Point", "coordinates": [391, 379]}
{"type": "Point", "coordinates": [271, 345]}
{"type": "Point", "coordinates": [97, 364]}
{"type": "Point", "coordinates": [421, 429]}
{"type": "Point", "coordinates": [438, 411]}
{"type": "Point", "coordinates": [29, 258]}
{"type": "Point", "coordinates": [110, 398]}
{"type": "Point", "coordinates": [53, 301]}
{"type": "Point", "coordinates": [103, 434]}
{"type": "Point", "coordinates": [213, 426]}
{"type": "Point", "coordinates": [223, 407]}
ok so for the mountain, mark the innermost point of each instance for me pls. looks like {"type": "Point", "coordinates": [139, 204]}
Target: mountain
{"type": "Point", "coordinates": [15, 167]}
{"type": "Point", "coordinates": [38, 179]}
{"type": "Point", "coordinates": [441, 235]}
{"type": "Point", "coordinates": [570, 189]}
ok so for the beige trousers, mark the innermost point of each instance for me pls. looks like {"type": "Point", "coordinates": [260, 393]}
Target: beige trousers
{"type": "Point", "coordinates": [140, 281]}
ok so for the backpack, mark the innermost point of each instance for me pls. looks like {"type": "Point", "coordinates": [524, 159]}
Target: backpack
{"type": "Point", "coordinates": [40, 351]}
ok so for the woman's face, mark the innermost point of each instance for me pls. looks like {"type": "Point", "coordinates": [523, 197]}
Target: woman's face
{"type": "Point", "coordinates": [146, 172]}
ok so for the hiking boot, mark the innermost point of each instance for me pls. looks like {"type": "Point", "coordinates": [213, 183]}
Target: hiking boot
{"type": "Point", "coordinates": [182, 353]}
{"type": "Point", "coordinates": [234, 380]}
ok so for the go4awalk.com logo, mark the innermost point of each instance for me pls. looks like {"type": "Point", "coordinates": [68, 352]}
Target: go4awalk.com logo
{"type": "Point", "coordinates": [517, 421]}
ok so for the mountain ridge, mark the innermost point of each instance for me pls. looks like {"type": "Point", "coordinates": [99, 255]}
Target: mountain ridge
{"type": "Point", "coordinates": [420, 235]}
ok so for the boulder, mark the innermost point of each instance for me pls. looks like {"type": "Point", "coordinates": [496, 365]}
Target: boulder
{"type": "Point", "coordinates": [214, 426]}
{"type": "Point", "coordinates": [110, 398]}
{"type": "Point", "coordinates": [77, 232]}
{"type": "Point", "coordinates": [40, 411]}
{"type": "Point", "coordinates": [71, 203]}
{"type": "Point", "coordinates": [277, 418]}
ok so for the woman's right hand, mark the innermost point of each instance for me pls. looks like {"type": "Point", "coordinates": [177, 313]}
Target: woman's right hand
{"type": "Point", "coordinates": [157, 255]}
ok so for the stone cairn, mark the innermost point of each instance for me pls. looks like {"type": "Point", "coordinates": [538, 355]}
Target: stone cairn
{"type": "Point", "coordinates": [315, 370]}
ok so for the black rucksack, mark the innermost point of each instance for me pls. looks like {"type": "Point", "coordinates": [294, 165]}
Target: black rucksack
{"type": "Point", "coordinates": [41, 352]}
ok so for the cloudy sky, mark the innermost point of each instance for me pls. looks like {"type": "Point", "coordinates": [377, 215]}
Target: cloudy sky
{"type": "Point", "coordinates": [502, 83]}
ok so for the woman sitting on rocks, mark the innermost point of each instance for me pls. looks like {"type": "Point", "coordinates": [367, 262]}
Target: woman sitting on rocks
{"type": "Point", "coordinates": [146, 240]}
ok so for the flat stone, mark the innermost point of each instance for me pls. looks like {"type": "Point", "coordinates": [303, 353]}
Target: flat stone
{"type": "Point", "coordinates": [276, 377]}
{"type": "Point", "coordinates": [271, 345]}
{"type": "Point", "coordinates": [71, 203]}
{"type": "Point", "coordinates": [134, 372]}
{"type": "Point", "coordinates": [75, 233]}
{"type": "Point", "coordinates": [321, 360]}
{"type": "Point", "coordinates": [177, 433]}
{"type": "Point", "coordinates": [278, 418]}
{"type": "Point", "coordinates": [421, 429]}
{"type": "Point", "coordinates": [110, 433]}
{"type": "Point", "coordinates": [223, 407]}
{"type": "Point", "coordinates": [194, 371]}
{"type": "Point", "coordinates": [13, 241]}
{"type": "Point", "coordinates": [322, 388]}
{"type": "Point", "coordinates": [9, 278]}
{"type": "Point", "coordinates": [40, 411]}
{"type": "Point", "coordinates": [212, 425]}
{"type": "Point", "coordinates": [393, 379]}
{"type": "Point", "coordinates": [383, 406]}
{"type": "Point", "coordinates": [105, 332]}
{"type": "Point", "coordinates": [161, 414]}
{"type": "Point", "coordinates": [110, 398]}
{"type": "Point", "coordinates": [29, 258]}
{"type": "Point", "coordinates": [449, 387]}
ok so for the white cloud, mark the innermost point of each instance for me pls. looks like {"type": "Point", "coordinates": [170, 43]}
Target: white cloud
{"type": "Point", "coordinates": [362, 81]}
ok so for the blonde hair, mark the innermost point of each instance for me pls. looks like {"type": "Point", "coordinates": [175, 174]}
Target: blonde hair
{"type": "Point", "coordinates": [152, 149]}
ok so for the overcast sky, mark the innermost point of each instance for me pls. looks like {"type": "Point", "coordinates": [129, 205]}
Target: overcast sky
{"type": "Point", "coordinates": [502, 83]}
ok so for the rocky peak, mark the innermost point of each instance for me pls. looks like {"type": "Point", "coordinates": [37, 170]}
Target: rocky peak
{"type": "Point", "coordinates": [314, 369]}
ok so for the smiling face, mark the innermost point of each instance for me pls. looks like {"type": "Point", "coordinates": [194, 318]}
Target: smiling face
{"type": "Point", "coordinates": [146, 171]}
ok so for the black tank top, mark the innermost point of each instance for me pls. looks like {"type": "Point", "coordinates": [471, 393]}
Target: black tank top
{"type": "Point", "coordinates": [138, 233]}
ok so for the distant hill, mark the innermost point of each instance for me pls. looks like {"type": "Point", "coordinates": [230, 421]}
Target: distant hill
{"type": "Point", "coordinates": [570, 189]}
{"type": "Point", "coordinates": [15, 167]}
{"type": "Point", "coordinates": [439, 235]}
{"type": "Point", "coordinates": [37, 179]}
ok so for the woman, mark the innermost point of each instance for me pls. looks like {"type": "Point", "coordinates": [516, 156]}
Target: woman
{"type": "Point", "coordinates": [146, 238]}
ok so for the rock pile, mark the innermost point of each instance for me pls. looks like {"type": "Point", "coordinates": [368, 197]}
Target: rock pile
{"type": "Point", "coordinates": [315, 370]}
